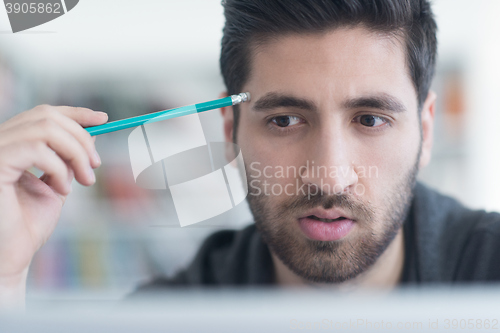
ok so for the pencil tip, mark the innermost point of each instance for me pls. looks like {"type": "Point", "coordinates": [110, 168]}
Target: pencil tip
{"type": "Point", "coordinates": [245, 96]}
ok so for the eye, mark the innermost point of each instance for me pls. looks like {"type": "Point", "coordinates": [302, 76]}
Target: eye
{"type": "Point", "coordinates": [369, 120]}
{"type": "Point", "coordinates": [286, 121]}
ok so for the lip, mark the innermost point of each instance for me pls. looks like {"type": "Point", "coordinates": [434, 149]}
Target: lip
{"type": "Point", "coordinates": [330, 214]}
{"type": "Point", "coordinates": [326, 231]}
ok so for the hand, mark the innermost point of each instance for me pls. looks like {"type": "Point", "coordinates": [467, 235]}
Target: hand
{"type": "Point", "coordinates": [51, 139]}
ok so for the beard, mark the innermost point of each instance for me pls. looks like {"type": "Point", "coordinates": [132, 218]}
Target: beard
{"type": "Point", "coordinates": [332, 261]}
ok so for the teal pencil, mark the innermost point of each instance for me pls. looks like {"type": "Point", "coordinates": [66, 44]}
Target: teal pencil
{"type": "Point", "coordinates": [114, 126]}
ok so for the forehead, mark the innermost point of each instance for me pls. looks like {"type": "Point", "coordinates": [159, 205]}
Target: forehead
{"type": "Point", "coordinates": [339, 64]}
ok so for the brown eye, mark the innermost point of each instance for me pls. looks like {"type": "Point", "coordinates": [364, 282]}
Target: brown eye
{"type": "Point", "coordinates": [282, 121]}
{"type": "Point", "coordinates": [371, 121]}
{"type": "Point", "coordinates": [285, 121]}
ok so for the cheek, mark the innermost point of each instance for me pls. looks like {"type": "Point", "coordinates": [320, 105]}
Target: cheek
{"type": "Point", "coordinates": [276, 167]}
{"type": "Point", "coordinates": [272, 169]}
{"type": "Point", "coordinates": [384, 162]}
{"type": "Point", "coordinates": [259, 147]}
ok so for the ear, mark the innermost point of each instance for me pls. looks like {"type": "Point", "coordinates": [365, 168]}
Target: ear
{"type": "Point", "coordinates": [427, 119]}
{"type": "Point", "coordinates": [228, 126]}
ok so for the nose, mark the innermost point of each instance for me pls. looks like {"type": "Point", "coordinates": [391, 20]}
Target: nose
{"type": "Point", "coordinates": [328, 168]}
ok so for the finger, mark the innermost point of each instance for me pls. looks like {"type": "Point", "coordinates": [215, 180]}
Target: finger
{"type": "Point", "coordinates": [54, 176]}
{"type": "Point", "coordinates": [28, 154]}
{"type": "Point", "coordinates": [58, 114]}
{"type": "Point", "coordinates": [47, 179]}
{"type": "Point", "coordinates": [71, 151]}
{"type": "Point", "coordinates": [72, 119]}
{"type": "Point", "coordinates": [81, 135]}
{"type": "Point", "coordinates": [85, 117]}
{"type": "Point", "coordinates": [62, 143]}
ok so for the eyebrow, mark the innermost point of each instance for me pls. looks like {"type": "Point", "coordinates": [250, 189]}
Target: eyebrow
{"type": "Point", "coordinates": [381, 101]}
{"type": "Point", "coordinates": [275, 100]}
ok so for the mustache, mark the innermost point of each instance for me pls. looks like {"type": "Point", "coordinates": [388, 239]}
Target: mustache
{"type": "Point", "coordinates": [357, 209]}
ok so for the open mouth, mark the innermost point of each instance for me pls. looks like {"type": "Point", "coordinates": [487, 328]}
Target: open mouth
{"type": "Point", "coordinates": [325, 220]}
{"type": "Point", "coordinates": [322, 229]}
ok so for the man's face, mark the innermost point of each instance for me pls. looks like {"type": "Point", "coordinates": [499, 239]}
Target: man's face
{"type": "Point", "coordinates": [332, 143]}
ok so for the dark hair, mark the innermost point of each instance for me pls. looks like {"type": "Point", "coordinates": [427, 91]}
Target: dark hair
{"type": "Point", "coordinates": [249, 22]}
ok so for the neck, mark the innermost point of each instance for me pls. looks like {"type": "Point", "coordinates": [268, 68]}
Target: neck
{"type": "Point", "coordinates": [384, 274]}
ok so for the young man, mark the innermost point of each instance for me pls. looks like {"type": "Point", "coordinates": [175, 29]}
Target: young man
{"type": "Point", "coordinates": [339, 124]}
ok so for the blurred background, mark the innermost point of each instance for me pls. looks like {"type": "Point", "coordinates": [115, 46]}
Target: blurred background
{"type": "Point", "coordinates": [132, 57]}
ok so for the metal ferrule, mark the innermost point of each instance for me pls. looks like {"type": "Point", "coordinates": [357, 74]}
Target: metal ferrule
{"type": "Point", "coordinates": [240, 98]}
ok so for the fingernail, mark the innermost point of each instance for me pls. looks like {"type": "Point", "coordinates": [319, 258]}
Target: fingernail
{"type": "Point", "coordinates": [91, 174]}
{"type": "Point", "coordinates": [97, 158]}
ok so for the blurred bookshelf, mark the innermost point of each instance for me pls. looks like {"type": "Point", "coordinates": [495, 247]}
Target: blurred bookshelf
{"type": "Point", "coordinates": [450, 153]}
